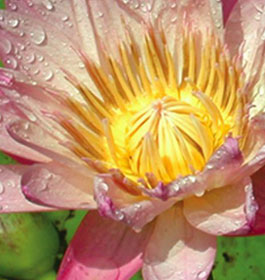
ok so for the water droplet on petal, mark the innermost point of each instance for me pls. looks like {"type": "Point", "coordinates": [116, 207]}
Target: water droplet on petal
{"type": "Point", "coordinates": [30, 58]}
{"type": "Point", "coordinates": [48, 75]}
{"type": "Point", "coordinates": [48, 5]}
{"type": "Point", "coordinates": [13, 23]}
{"type": "Point", "coordinates": [13, 6]}
{"type": "Point", "coordinates": [2, 188]}
{"type": "Point", "coordinates": [199, 193]}
{"type": "Point", "coordinates": [65, 18]}
{"type": "Point", "coordinates": [38, 36]}
{"type": "Point", "coordinates": [11, 62]}
{"type": "Point", "coordinates": [202, 275]}
{"type": "Point", "coordinates": [5, 45]}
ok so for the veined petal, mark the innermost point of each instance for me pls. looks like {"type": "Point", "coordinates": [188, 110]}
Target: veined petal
{"type": "Point", "coordinates": [57, 185]}
{"type": "Point", "coordinates": [176, 250]}
{"type": "Point", "coordinates": [228, 210]}
{"type": "Point", "coordinates": [104, 249]}
{"type": "Point", "coordinates": [11, 197]}
{"type": "Point", "coordinates": [245, 26]}
{"type": "Point", "coordinates": [40, 40]}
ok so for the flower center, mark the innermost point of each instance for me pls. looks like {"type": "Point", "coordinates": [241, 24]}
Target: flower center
{"type": "Point", "coordinates": [158, 119]}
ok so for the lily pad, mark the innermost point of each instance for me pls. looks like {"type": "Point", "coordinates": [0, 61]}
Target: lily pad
{"type": "Point", "coordinates": [240, 258]}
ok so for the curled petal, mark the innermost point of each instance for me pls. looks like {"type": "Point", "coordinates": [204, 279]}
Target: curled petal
{"type": "Point", "coordinates": [54, 184]}
{"type": "Point", "coordinates": [104, 249]}
{"type": "Point", "coordinates": [176, 250]}
{"type": "Point", "coordinates": [11, 197]}
{"type": "Point", "coordinates": [14, 148]}
{"type": "Point", "coordinates": [228, 210]}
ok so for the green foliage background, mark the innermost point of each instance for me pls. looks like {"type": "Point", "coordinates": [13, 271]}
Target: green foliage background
{"type": "Point", "coordinates": [237, 258]}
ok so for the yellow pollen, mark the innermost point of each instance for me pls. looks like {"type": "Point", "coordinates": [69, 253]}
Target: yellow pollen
{"type": "Point", "coordinates": [159, 117]}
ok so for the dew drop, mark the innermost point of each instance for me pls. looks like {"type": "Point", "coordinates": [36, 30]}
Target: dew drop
{"type": "Point", "coordinates": [40, 58]}
{"type": "Point", "coordinates": [119, 215]}
{"type": "Point", "coordinates": [48, 75]}
{"type": "Point", "coordinates": [202, 275]}
{"type": "Point", "coordinates": [199, 193]}
{"type": "Point", "coordinates": [48, 5]}
{"type": "Point", "coordinates": [126, 1]}
{"type": "Point", "coordinates": [30, 58]}
{"type": "Point", "coordinates": [174, 19]}
{"type": "Point", "coordinates": [13, 23]}
{"type": "Point", "coordinates": [11, 62]}
{"type": "Point", "coordinates": [100, 14]}
{"type": "Point", "coordinates": [65, 18]}
{"type": "Point", "coordinates": [13, 6]}
{"type": "Point", "coordinates": [30, 4]}
{"type": "Point", "coordinates": [2, 188]}
{"type": "Point", "coordinates": [5, 45]}
{"type": "Point", "coordinates": [38, 36]}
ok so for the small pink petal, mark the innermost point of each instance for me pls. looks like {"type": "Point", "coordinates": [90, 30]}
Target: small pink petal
{"type": "Point", "coordinates": [103, 249]}
{"type": "Point", "coordinates": [11, 197]}
{"type": "Point", "coordinates": [228, 210]}
{"type": "Point", "coordinates": [176, 250]}
{"type": "Point", "coordinates": [134, 210]}
{"type": "Point", "coordinates": [57, 185]}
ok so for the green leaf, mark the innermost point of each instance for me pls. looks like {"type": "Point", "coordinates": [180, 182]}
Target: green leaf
{"type": "Point", "coordinates": [137, 276]}
{"type": "Point", "coordinates": [73, 222]}
{"type": "Point", "coordinates": [4, 159]}
{"type": "Point", "coordinates": [58, 218]}
{"type": "Point", "coordinates": [2, 4]}
{"type": "Point", "coordinates": [240, 258]}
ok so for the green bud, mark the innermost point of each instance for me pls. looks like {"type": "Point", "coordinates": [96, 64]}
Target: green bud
{"type": "Point", "coordinates": [28, 245]}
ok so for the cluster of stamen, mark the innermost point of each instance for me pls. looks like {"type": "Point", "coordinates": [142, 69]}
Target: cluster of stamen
{"type": "Point", "coordinates": [159, 116]}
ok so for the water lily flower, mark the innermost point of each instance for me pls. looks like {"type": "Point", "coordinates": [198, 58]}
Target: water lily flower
{"type": "Point", "coordinates": [148, 113]}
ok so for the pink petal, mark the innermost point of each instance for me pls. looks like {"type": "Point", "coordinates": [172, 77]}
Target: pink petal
{"type": "Point", "coordinates": [246, 25]}
{"type": "Point", "coordinates": [228, 210]}
{"type": "Point", "coordinates": [11, 197]}
{"type": "Point", "coordinates": [54, 184]}
{"type": "Point", "coordinates": [176, 250]}
{"type": "Point", "coordinates": [40, 41]}
{"type": "Point", "coordinates": [258, 180]}
{"type": "Point", "coordinates": [103, 249]}
{"type": "Point", "coordinates": [116, 203]}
